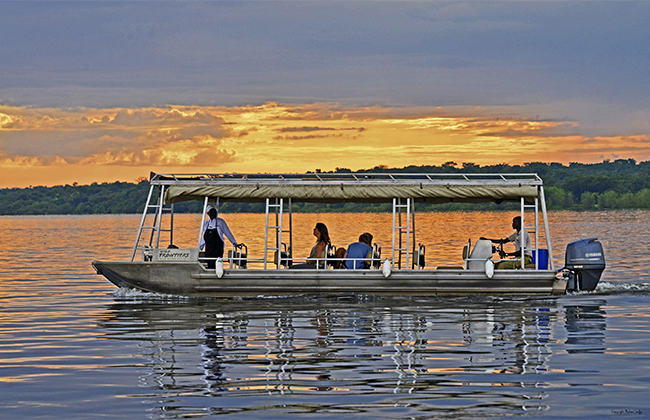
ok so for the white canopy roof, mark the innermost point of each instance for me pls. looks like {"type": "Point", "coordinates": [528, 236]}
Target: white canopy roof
{"type": "Point", "coordinates": [350, 187]}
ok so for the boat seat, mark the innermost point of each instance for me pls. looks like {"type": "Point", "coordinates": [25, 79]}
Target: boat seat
{"type": "Point", "coordinates": [321, 260]}
{"type": "Point", "coordinates": [323, 255]}
{"type": "Point", "coordinates": [286, 258]}
{"type": "Point", "coordinates": [482, 251]}
{"type": "Point", "coordinates": [375, 257]}
{"type": "Point", "coordinates": [372, 260]}
{"type": "Point", "coordinates": [237, 256]}
{"type": "Point", "coordinates": [238, 260]}
{"type": "Point", "coordinates": [330, 251]}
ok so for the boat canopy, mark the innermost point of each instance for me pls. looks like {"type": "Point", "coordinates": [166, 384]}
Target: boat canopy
{"type": "Point", "coordinates": [350, 187]}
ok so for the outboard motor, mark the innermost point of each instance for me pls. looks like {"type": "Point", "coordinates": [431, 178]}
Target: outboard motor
{"type": "Point", "coordinates": [585, 261]}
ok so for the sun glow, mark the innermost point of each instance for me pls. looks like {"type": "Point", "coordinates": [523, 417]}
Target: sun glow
{"type": "Point", "coordinates": [55, 146]}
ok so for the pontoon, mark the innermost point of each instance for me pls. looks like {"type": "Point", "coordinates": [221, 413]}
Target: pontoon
{"type": "Point", "coordinates": [157, 266]}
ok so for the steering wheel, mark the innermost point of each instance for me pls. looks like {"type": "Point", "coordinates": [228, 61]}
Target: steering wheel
{"type": "Point", "coordinates": [498, 249]}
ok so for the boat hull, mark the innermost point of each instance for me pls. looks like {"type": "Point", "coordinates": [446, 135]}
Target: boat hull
{"type": "Point", "coordinates": [192, 279]}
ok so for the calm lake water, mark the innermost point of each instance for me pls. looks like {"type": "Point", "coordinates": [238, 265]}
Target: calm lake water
{"type": "Point", "coordinates": [73, 346]}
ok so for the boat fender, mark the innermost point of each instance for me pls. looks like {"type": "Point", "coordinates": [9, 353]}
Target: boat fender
{"type": "Point", "coordinates": [219, 268]}
{"type": "Point", "coordinates": [489, 268]}
{"type": "Point", "coordinates": [385, 269]}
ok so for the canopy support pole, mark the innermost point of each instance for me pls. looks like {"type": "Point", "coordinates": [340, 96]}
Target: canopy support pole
{"type": "Point", "coordinates": [546, 228]}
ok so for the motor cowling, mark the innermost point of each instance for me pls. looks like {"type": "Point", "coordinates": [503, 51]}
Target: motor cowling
{"type": "Point", "coordinates": [585, 259]}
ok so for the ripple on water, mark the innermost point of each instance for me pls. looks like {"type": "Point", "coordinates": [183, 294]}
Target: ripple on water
{"type": "Point", "coordinates": [74, 346]}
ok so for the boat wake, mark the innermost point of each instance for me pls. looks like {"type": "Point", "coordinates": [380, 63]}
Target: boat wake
{"type": "Point", "coordinates": [126, 294]}
{"type": "Point", "coordinates": [613, 288]}
{"type": "Point", "coordinates": [604, 288]}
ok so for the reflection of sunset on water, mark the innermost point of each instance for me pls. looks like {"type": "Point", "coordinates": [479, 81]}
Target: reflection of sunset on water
{"type": "Point", "coordinates": [44, 146]}
{"type": "Point", "coordinates": [70, 338]}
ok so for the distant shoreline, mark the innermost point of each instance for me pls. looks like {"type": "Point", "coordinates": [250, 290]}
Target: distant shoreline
{"type": "Point", "coordinates": [619, 184]}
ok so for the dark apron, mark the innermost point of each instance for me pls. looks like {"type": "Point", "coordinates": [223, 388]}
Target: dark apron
{"type": "Point", "coordinates": [213, 246]}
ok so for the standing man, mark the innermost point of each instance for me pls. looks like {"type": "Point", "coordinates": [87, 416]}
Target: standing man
{"type": "Point", "coordinates": [516, 238]}
{"type": "Point", "coordinates": [212, 238]}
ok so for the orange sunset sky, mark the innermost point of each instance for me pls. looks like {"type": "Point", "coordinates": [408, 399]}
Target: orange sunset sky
{"type": "Point", "coordinates": [99, 145]}
{"type": "Point", "coordinates": [110, 91]}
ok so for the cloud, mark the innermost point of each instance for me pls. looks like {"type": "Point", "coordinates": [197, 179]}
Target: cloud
{"type": "Point", "coordinates": [161, 157]}
{"type": "Point", "coordinates": [212, 157]}
{"type": "Point", "coordinates": [309, 137]}
{"type": "Point", "coordinates": [138, 54]}
{"type": "Point", "coordinates": [303, 129]}
{"type": "Point", "coordinates": [125, 136]}
{"type": "Point", "coordinates": [309, 129]}
{"type": "Point", "coordinates": [536, 129]}
{"type": "Point", "coordinates": [161, 117]}
{"type": "Point", "coordinates": [276, 137]}
{"type": "Point", "coordinates": [6, 121]}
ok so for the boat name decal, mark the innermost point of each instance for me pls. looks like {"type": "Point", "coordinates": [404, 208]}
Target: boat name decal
{"type": "Point", "coordinates": [174, 255]}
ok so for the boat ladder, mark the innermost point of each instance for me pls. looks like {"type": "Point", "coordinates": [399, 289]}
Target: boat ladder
{"type": "Point", "coordinates": [403, 231]}
{"type": "Point", "coordinates": [276, 229]}
{"type": "Point", "coordinates": [155, 227]}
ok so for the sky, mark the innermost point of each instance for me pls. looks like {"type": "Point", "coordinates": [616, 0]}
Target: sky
{"type": "Point", "coordinates": [95, 91]}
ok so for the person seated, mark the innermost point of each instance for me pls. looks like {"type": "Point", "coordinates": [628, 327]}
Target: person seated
{"type": "Point", "coordinates": [358, 252]}
{"type": "Point", "coordinates": [516, 238]}
{"type": "Point", "coordinates": [322, 241]}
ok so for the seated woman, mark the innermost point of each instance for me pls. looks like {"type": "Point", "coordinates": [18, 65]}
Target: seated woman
{"type": "Point", "coordinates": [322, 241]}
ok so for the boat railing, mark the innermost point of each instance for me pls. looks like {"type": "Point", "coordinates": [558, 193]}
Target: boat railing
{"type": "Point", "coordinates": [246, 262]}
{"type": "Point", "coordinates": [238, 258]}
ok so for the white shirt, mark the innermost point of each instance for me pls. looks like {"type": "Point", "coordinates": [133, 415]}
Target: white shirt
{"type": "Point", "coordinates": [222, 229]}
{"type": "Point", "coordinates": [516, 238]}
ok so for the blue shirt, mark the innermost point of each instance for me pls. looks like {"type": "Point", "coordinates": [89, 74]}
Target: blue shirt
{"type": "Point", "coordinates": [357, 250]}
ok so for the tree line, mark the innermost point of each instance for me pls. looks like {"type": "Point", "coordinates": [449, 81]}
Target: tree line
{"type": "Point", "coordinates": [618, 184]}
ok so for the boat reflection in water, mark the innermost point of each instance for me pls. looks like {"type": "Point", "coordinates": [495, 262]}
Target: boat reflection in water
{"type": "Point", "coordinates": [354, 354]}
{"type": "Point", "coordinates": [585, 326]}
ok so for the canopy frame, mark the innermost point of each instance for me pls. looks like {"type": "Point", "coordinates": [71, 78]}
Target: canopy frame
{"type": "Point", "coordinates": [279, 191]}
{"type": "Point", "coordinates": [351, 187]}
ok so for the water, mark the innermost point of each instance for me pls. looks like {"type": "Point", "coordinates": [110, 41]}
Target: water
{"type": "Point", "coordinates": [73, 346]}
